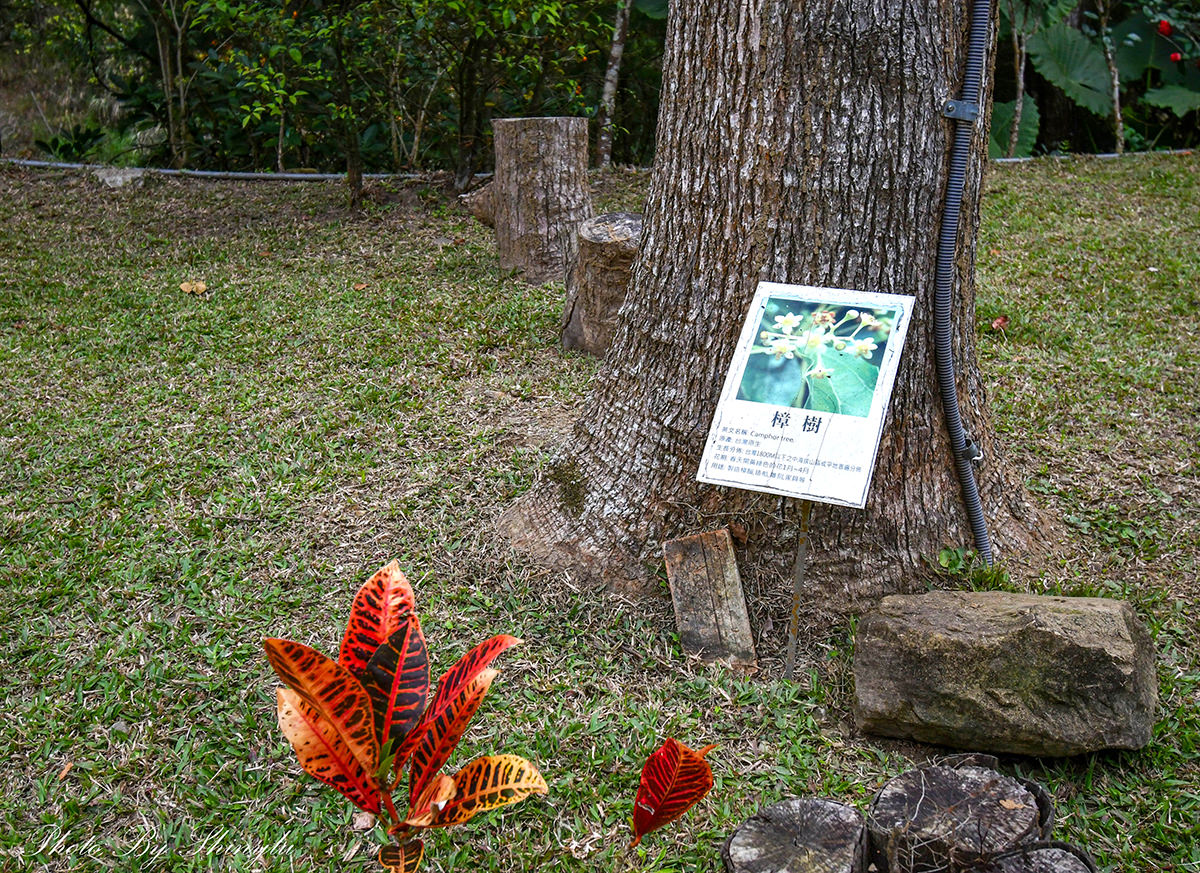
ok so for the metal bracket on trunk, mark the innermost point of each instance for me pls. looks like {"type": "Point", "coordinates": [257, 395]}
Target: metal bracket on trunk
{"type": "Point", "coordinates": [963, 110]}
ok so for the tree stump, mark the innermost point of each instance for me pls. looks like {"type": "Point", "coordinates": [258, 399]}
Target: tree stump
{"type": "Point", "coordinates": [944, 819]}
{"type": "Point", "coordinates": [540, 193]}
{"type": "Point", "coordinates": [799, 835]}
{"type": "Point", "coordinates": [1041, 858]}
{"type": "Point", "coordinates": [479, 203]}
{"type": "Point", "coordinates": [598, 280]}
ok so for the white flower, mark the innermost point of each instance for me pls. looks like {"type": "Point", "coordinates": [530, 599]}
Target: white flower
{"type": "Point", "coordinates": [863, 347]}
{"type": "Point", "coordinates": [783, 348]}
{"type": "Point", "coordinates": [813, 339]}
{"type": "Point", "coordinates": [788, 322]}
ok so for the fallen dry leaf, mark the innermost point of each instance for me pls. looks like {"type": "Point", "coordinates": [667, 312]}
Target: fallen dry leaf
{"type": "Point", "coordinates": [1007, 803]}
{"type": "Point", "coordinates": [193, 287]}
{"type": "Point", "coordinates": [363, 821]}
{"type": "Point", "coordinates": [1000, 322]}
{"type": "Point", "coordinates": [359, 286]}
{"type": "Point", "coordinates": [62, 774]}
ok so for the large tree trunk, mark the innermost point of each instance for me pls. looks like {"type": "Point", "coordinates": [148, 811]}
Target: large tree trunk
{"type": "Point", "coordinates": [797, 142]}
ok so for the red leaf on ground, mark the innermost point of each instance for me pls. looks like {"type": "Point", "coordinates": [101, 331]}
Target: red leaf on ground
{"type": "Point", "coordinates": [674, 778]}
{"type": "Point", "coordinates": [402, 859]}
{"type": "Point", "coordinates": [1000, 322]}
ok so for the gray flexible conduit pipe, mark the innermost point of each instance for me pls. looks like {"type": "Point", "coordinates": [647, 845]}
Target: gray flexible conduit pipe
{"type": "Point", "coordinates": [965, 451]}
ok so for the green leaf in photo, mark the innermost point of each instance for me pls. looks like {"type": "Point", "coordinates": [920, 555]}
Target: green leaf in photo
{"type": "Point", "coordinates": [848, 390]}
{"type": "Point", "coordinates": [1176, 98]}
{"type": "Point", "coordinates": [1002, 114]}
{"type": "Point", "coordinates": [1075, 65]}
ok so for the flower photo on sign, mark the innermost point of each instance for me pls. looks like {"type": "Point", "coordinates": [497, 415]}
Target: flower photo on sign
{"type": "Point", "coordinates": [818, 356]}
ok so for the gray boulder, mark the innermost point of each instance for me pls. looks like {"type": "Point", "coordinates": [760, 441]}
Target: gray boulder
{"type": "Point", "coordinates": [1004, 672]}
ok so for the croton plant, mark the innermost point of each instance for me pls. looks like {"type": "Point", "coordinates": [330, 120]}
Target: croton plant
{"type": "Point", "coordinates": [359, 723]}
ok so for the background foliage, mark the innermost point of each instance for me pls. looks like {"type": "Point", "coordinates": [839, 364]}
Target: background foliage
{"type": "Point", "coordinates": [393, 85]}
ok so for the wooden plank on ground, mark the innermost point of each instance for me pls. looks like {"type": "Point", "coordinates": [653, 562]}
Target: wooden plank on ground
{"type": "Point", "coordinates": [710, 607]}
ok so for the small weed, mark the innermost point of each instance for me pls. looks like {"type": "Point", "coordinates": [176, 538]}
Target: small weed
{"type": "Point", "coordinates": [1108, 526]}
{"type": "Point", "coordinates": [967, 568]}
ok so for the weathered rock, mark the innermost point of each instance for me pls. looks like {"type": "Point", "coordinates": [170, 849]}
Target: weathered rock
{"type": "Point", "coordinates": [1006, 672]}
{"type": "Point", "coordinates": [799, 835]}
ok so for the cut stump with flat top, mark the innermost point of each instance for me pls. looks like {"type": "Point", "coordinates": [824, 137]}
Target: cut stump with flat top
{"type": "Point", "coordinates": [1050, 857]}
{"type": "Point", "coordinates": [598, 280]}
{"type": "Point", "coordinates": [540, 194]}
{"type": "Point", "coordinates": [938, 818]}
{"type": "Point", "coordinates": [710, 606]}
{"type": "Point", "coordinates": [799, 835]}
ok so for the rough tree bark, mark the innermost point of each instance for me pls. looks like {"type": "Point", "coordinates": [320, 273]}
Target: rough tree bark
{"type": "Point", "coordinates": [797, 142]}
{"type": "Point", "coordinates": [598, 280]}
{"type": "Point", "coordinates": [540, 194]}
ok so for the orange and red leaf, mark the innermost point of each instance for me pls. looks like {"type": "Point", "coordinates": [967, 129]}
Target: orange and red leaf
{"type": "Point", "coordinates": [322, 752]}
{"type": "Point", "coordinates": [402, 859]}
{"type": "Point", "coordinates": [379, 610]}
{"type": "Point", "coordinates": [332, 691]}
{"type": "Point", "coordinates": [433, 798]}
{"type": "Point", "coordinates": [443, 730]}
{"type": "Point", "coordinates": [469, 666]}
{"type": "Point", "coordinates": [397, 681]}
{"type": "Point", "coordinates": [452, 683]}
{"type": "Point", "coordinates": [489, 783]}
{"type": "Point", "coordinates": [674, 778]}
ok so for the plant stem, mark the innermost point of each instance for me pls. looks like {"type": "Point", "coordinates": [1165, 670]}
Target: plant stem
{"type": "Point", "coordinates": [391, 809]}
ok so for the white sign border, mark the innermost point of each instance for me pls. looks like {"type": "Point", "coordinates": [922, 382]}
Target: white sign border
{"type": "Point", "coordinates": [873, 423]}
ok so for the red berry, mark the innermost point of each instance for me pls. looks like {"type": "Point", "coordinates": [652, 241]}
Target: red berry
{"type": "Point", "coordinates": [1165, 28]}
{"type": "Point", "coordinates": [1176, 57]}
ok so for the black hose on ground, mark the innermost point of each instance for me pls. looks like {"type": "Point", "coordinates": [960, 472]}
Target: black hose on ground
{"type": "Point", "coordinates": [964, 112]}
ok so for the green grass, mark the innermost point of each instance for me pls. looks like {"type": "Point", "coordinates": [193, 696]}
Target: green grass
{"type": "Point", "coordinates": [181, 476]}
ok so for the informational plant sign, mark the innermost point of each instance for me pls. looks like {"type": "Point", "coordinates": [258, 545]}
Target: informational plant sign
{"type": "Point", "coordinates": [805, 397]}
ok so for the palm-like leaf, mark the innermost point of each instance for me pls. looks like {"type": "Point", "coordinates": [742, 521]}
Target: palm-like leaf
{"type": "Point", "coordinates": [332, 691]}
{"type": "Point", "coordinates": [397, 681]}
{"type": "Point", "coordinates": [674, 778]}
{"type": "Point", "coordinates": [489, 783]}
{"type": "Point", "coordinates": [443, 731]}
{"type": "Point", "coordinates": [379, 610]}
{"type": "Point", "coordinates": [323, 754]}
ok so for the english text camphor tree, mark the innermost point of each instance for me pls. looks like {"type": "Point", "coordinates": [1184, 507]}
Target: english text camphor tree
{"type": "Point", "coordinates": [798, 143]}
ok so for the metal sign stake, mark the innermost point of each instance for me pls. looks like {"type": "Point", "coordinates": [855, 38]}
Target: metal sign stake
{"type": "Point", "coordinates": [797, 586]}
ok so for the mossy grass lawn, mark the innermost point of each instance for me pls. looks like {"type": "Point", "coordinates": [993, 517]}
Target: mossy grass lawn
{"type": "Point", "coordinates": [182, 475]}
